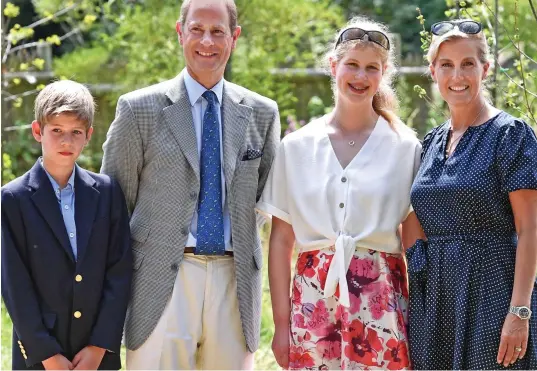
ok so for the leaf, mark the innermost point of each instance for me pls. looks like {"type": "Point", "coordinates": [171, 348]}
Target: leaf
{"type": "Point", "coordinates": [17, 103]}
{"type": "Point", "coordinates": [54, 39]}
{"type": "Point", "coordinates": [39, 63]}
{"type": "Point", "coordinates": [11, 10]}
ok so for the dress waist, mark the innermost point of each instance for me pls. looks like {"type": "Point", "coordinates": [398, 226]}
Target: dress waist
{"type": "Point", "coordinates": [485, 236]}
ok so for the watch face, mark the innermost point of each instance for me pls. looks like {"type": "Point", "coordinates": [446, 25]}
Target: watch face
{"type": "Point", "coordinates": [524, 312]}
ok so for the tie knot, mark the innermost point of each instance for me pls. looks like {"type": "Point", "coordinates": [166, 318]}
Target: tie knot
{"type": "Point", "coordinates": [210, 96]}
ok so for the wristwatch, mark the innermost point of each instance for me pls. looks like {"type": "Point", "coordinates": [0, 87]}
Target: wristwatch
{"type": "Point", "coordinates": [520, 312]}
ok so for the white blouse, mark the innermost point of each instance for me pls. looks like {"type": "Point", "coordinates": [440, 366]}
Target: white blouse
{"type": "Point", "coordinates": [359, 206]}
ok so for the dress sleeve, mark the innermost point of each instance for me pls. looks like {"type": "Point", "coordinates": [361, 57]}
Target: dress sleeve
{"type": "Point", "coordinates": [517, 157]}
{"type": "Point", "coordinates": [274, 200]}
{"type": "Point", "coordinates": [418, 154]}
{"type": "Point", "coordinates": [427, 140]}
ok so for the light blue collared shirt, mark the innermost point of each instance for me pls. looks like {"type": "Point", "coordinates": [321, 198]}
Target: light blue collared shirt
{"type": "Point", "coordinates": [198, 105]}
{"type": "Point", "coordinates": [66, 201]}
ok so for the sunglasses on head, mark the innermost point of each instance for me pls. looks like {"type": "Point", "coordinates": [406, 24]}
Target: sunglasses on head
{"type": "Point", "coordinates": [467, 27]}
{"type": "Point", "coordinates": [359, 34]}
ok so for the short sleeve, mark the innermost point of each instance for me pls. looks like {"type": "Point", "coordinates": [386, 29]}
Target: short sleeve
{"type": "Point", "coordinates": [517, 157]}
{"type": "Point", "coordinates": [274, 200]}
{"type": "Point", "coordinates": [427, 141]}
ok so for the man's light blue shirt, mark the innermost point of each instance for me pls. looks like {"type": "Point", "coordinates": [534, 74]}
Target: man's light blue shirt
{"type": "Point", "coordinates": [66, 202]}
{"type": "Point", "coordinates": [198, 105]}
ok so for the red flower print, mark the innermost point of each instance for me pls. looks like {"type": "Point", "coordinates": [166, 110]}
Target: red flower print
{"type": "Point", "coordinates": [364, 268]}
{"type": "Point", "coordinates": [342, 315]}
{"type": "Point", "coordinates": [364, 344]}
{"type": "Point", "coordinates": [322, 272]}
{"type": "Point", "coordinates": [396, 354]}
{"type": "Point", "coordinates": [330, 346]}
{"type": "Point", "coordinates": [319, 321]}
{"type": "Point", "coordinates": [397, 276]}
{"type": "Point", "coordinates": [381, 299]}
{"type": "Point", "coordinates": [298, 321]}
{"type": "Point", "coordinates": [306, 264]}
{"type": "Point", "coordinates": [297, 293]}
{"type": "Point", "coordinates": [300, 358]}
{"type": "Point", "coordinates": [362, 272]}
{"type": "Point", "coordinates": [401, 322]}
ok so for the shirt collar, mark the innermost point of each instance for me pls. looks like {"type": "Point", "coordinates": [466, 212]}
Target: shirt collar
{"type": "Point", "coordinates": [55, 185]}
{"type": "Point", "coordinates": [195, 89]}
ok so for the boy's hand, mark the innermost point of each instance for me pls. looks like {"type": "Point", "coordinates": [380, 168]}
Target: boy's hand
{"type": "Point", "coordinates": [57, 362]}
{"type": "Point", "coordinates": [89, 358]}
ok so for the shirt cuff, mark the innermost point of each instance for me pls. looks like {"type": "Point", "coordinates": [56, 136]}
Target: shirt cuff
{"type": "Point", "coordinates": [269, 210]}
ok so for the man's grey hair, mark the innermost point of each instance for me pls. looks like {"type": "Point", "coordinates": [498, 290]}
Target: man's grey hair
{"type": "Point", "coordinates": [231, 11]}
{"type": "Point", "coordinates": [64, 96]}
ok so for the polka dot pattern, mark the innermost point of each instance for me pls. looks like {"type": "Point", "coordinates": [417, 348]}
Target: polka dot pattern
{"type": "Point", "coordinates": [461, 279]}
{"type": "Point", "coordinates": [210, 238]}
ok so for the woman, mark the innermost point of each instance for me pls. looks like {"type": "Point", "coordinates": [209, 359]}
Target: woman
{"type": "Point", "coordinates": [475, 195]}
{"type": "Point", "coordinates": [340, 188]}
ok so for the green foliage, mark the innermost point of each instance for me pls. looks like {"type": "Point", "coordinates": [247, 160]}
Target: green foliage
{"type": "Point", "coordinates": [316, 107]}
{"type": "Point", "coordinates": [19, 151]}
{"type": "Point", "coordinates": [514, 88]}
{"type": "Point", "coordinates": [83, 63]}
{"type": "Point", "coordinates": [7, 168]}
{"type": "Point", "coordinates": [11, 10]}
{"type": "Point", "coordinates": [144, 49]}
{"type": "Point", "coordinates": [399, 15]}
{"type": "Point", "coordinates": [5, 338]}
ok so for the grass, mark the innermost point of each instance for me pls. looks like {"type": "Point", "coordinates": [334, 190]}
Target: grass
{"type": "Point", "coordinates": [5, 339]}
{"type": "Point", "coordinates": [264, 360]}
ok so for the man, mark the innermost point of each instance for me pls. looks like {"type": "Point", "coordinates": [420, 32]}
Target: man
{"type": "Point", "coordinates": [192, 155]}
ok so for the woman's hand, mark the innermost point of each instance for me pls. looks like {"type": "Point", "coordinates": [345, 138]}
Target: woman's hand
{"type": "Point", "coordinates": [514, 340]}
{"type": "Point", "coordinates": [280, 347]}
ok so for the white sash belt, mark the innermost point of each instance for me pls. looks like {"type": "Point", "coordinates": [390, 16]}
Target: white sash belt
{"type": "Point", "coordinates": [337, 273]}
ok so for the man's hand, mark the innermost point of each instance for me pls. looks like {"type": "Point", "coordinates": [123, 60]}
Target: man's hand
{"type": "Point", "coordinates": [89, 358]}
{"type": "Point", "coordinates": [57, 362]}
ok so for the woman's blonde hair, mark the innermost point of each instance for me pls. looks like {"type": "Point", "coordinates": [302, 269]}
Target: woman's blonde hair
{"type": "Point", "coordinates": [385, 101]}
{"type": "Point", "coordinates": [456, 34]}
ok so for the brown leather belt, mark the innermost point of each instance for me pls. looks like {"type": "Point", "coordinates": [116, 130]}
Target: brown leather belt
{"type": "Point", "coordinates": [190, 250]}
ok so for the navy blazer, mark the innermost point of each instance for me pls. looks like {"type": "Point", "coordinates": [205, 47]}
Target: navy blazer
{"type": "Point", "coordinates": [57, 304]}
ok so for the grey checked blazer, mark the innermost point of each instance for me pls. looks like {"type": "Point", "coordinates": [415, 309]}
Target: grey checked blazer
{"type": "Point", "coordinates": [151, 150]}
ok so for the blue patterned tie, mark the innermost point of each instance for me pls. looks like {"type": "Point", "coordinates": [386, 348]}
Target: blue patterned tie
{"type": "Point", "coordinates": [210, 238]}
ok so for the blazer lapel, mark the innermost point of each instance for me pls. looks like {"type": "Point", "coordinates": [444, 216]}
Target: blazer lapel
{"type": "Point", "coordinates": [235, 119]}
{"type": "Point", "coordinates": [86, 202]}
{"type": "Point", "coordinates": [47, 204]}
{"type": "Point", "coordinates": [179, 119]}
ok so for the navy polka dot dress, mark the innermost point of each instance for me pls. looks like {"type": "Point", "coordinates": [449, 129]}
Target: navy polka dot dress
{"type": "Point", "coordinates": [461, 279]}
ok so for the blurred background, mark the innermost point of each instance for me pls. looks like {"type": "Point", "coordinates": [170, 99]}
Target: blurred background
{"type": "Point", "coordinates": [115, 46]}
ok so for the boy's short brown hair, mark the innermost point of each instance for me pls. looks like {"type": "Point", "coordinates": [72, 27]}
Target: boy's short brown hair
{"type": "Point", "coordinates": [65, 96]}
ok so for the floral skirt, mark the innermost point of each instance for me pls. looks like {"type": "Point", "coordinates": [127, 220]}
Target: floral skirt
{"type": "Point", "coordinates": [370, 334]}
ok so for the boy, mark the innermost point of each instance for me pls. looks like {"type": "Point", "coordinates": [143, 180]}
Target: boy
{"type": "Point", "coordinates": [66, 255]}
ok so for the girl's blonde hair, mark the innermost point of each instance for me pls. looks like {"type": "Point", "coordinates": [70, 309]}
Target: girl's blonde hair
{"type": "Point", "coordinates": [385, 101]}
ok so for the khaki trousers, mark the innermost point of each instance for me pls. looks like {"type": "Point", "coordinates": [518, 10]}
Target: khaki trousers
{"type": "Point", "coordinates": [200, 327]}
